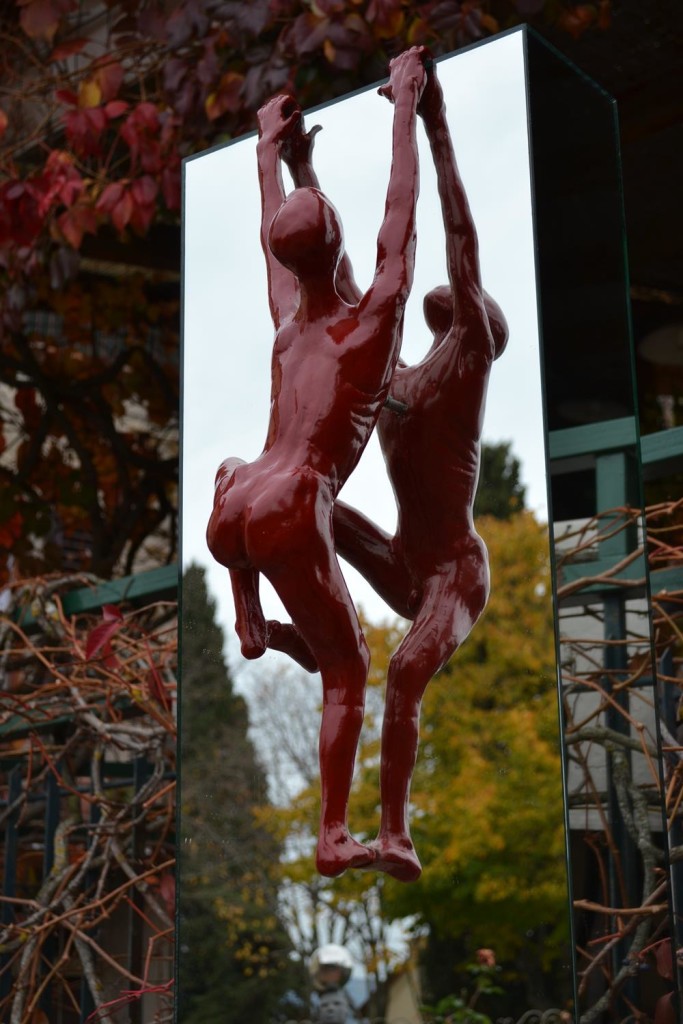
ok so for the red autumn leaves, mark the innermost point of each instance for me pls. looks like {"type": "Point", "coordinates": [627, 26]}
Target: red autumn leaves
{"type": "Point", "coordinates": [70, 195]}
{"type": "Point", "coordinates": [149, 137]}
{"type": "Point", "coordinates": [99, 645]}
{"type": "Point", "coordinates": [194, 72]}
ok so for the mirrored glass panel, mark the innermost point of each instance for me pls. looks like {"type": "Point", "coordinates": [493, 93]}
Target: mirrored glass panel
{"type": "Point", "coordinates": [620, 745]}
{"type": "Point", "coordinates": [486, 924]}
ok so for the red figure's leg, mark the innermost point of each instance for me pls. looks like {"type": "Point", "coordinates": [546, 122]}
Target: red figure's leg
{"type": "Point", "coordinates": [283, 636]}
{"type": "Point", "coordinates": [226, 539]}
{"type": "Point", "coordinates": [255, 633]}
{"type": "Point", "coordinates": [291, 538]}
{"type": "Point", "coordinates": [373, 553]}
{"type": "Point", "coordinates": [250, 624]}
{"type": "Point", "coordinates": [315, 595]}
{"type": "Point", "coordinates": [452, 604]}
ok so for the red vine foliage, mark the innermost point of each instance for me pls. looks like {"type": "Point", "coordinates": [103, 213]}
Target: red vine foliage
{"type": "Point", "coordinates": [99, 102]}
{"type": "Point", "coordinates": [104, 99]}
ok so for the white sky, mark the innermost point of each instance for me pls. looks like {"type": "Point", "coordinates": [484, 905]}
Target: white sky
{"type": "Point", "coordinates": [228, 333]}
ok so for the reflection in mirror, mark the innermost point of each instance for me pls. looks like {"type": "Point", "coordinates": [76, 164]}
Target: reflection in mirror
{"type": "Point", "coordinates": [617, 785]}
{"type": "Point", "coordinates": [623, 761]}
{"type": "Point", "coordinates": [621, 791]}
{"type": "Point", "coordinates": [490, 910]}
{"type": "Point", "coordinates": [611, 737]}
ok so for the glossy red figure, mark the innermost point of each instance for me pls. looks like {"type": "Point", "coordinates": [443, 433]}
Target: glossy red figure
{"type": "Point", "coordinates": [435, 569]}
{"type": "Point", "coordinates": [333, 360]}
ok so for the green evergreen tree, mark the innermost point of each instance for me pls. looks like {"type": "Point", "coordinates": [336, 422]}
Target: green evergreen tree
{"type": "Point", "coordinates": [233, 960]}
{"type": "Point", "coordinates": [500, 492]}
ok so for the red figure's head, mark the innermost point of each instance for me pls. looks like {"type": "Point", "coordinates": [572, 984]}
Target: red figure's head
{"type": "Point", "coordinates": [306, 234]}
{"type": "Point", "coordinates": [438, 312]}
{"type": "Point", "coordinates": [497, 323]}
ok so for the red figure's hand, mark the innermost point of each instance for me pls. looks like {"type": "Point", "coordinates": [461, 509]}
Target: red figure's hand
{"type": "Point", "coordinates": [406, 69]}
{"type": "Point", "coordinates": [278, 118]}
{"type": "Point", "coordinates": [297, 148]}
{"type": "Point", "coordinates": [431, 102]}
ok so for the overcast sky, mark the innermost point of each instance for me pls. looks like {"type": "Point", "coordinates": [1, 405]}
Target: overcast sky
{"type": "Point", "coordinates": [228, 333]}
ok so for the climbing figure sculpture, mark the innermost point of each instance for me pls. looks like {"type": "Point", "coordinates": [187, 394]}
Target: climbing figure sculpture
{"type": "Point", "coordinates": [434, 570]}
{"type": "Point", "coordinates": [332, 364]}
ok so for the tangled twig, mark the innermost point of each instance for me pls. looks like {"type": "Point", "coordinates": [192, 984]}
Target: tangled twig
{"type": "Point", "coordinates": [91, 727]}
{"type": "Point", "coordinates": [620, 735]}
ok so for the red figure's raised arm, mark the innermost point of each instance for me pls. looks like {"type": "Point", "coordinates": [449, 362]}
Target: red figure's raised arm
{"type": "Point", "coordinates": [397, 237]}
{"type": "Point", "coordinates": [297, 152]}
{"type": "Point", "coordinates": [462, 250]}
{"type": "Point", "coordinates": [386, 297]}
{"type": "Point", "coordinates": [277, 119]}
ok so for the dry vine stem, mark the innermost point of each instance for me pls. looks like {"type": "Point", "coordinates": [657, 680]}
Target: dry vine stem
{"type": "Point", "coordinates": [87, 806]}
{"type": "Point", "coordinates": [615, 717]}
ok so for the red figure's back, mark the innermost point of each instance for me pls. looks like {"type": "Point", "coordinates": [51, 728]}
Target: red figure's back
{"type": "Point", "coordinates": [430, 434]}
{"type": "Point", "coordinates": [331, 361]}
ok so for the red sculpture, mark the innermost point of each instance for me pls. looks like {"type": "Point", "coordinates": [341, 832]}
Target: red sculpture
{"type": "Point", "coordinates": [335, 353]}
{"type": "Point", "coordinates": [333, 361]}
{"type": "Point", "coordinates": [435, 569]}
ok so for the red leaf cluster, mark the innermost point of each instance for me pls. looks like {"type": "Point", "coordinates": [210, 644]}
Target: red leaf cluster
{"type": "Point", "coordinates": [25, 206]}
{"type": "Point", "coordinates": [130, 203]}
{"type": "Point", "coordinates": [84, 128]}
{"type": "Point", "coordinates": [20, 217]}
{"type": "Point", "coordinates": [76, 222]}
{"type": "Point", "coordinates": [202, 70]}
{"type": "Point", "coordinates": [141, 132]}
{"type": "Point", "coordinates": [60, 181]}
{"type": "Point", "coordinates": [198, 72]}
{"type": "Point", "coordinates": [107, 76]}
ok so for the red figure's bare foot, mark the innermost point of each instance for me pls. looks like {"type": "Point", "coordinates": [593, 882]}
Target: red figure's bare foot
{"type": "Point", "coordinates": [396, 857]}
{"type": "Point", "coordinates": [337, 851]}
{"type": "Point", "coordinates": [253, 640]}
